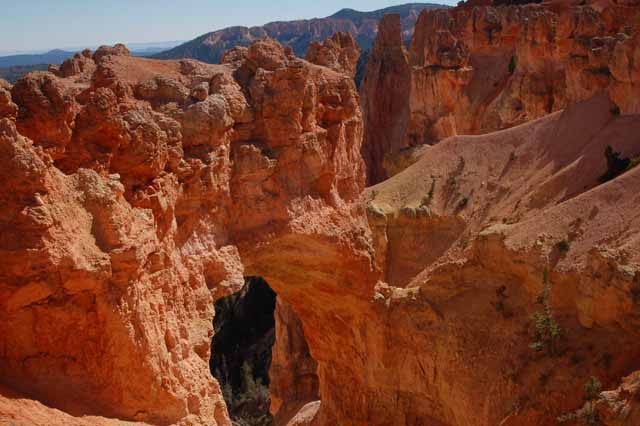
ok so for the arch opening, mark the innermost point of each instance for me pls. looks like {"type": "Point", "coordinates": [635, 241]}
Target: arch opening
{"type": "Point", "coordinates": [244, 334]}
{"type": "Point", "coordinates": [260, 357]}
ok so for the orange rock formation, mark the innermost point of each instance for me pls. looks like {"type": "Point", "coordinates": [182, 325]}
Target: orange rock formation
{"type": "Point", "coordinates": [474, 70]}
{"type": "Point", "coordinates": [136, 192]}
{"type": "Point", "coordinates": [339, 52]}
{"type": "Point", "coordinates": [130, 203]}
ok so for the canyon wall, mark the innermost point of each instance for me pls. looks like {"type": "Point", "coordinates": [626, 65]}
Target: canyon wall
{"type": "Point", "coordinates": [384, 94]}
{"type": "Point", "coordinates": [465, 235]}
{"type": "Point", "coordinates": [339, 52]}
{"type": "Point", "coordinates": [477, 69]}
{"type": "Point", "coordinates": [137, 192]}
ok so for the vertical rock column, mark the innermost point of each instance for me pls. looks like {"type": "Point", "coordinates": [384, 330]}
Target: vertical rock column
{"type": "Point", "coordinates": [384, 97]}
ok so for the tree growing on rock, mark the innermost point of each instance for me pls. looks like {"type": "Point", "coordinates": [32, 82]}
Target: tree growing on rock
{"type": "Point", "coordinates": [547, 329]}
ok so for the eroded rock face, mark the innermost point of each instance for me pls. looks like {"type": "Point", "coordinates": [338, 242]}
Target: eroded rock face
{"type": "Point", "coordinates": [464, 236]}
{"type": "Point", "coordinates": [339, 52]}
{"type": "Point", "coordinates": [78, 64]}
{"type": "Point", "coordinates": [294, 371]}
{"type": "Point", "coordinates": [621, 406]}
{"type": "Point", "coordinates": [7, 107]}
{"type": "Point", "coordinates": [477, 69]}
{"type": "Point", "coordinates": [126, 201]}
{"type": "Point", "coordinates": [46, 110]}
{"type": "Point", "coordinates": [384, 94]}
{"type": "Point", "coordinates": [126, 213]}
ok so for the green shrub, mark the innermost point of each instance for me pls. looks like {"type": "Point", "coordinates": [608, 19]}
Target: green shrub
{"type": "Point", "coordinates": [432, 190]}
{"type": "Point", "coordinates": [615, 165]}
{"type": "Point", "coordinates": [513, 64]}
{"type": "Point", "coordinates": [501, 302]}
{"type": "Point", "coordinates": [250, 407]}
{"type": "Point", "coordinates": [592, 389]}
{"type": "Point", "coordinates": [633, 163]}
{"type": "Point", "coordinates": [563, 246]}
{"type": "Point", "coordinates": [547, 329]}
{"type": "Point", "coordinates": [463, 202]}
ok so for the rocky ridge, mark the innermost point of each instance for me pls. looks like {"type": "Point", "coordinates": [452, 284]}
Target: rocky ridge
{"type": "Point", "coordinates": [298, 34]}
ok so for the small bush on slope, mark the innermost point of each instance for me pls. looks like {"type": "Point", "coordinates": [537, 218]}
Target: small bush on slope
{"type": "Point", "coordinates": [588, 414]}
{"type": "Point", "coordinates": [547, 329]}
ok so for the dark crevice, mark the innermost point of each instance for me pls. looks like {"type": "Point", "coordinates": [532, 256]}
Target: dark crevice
{"type": "Point", "coordinates": [244, 327]}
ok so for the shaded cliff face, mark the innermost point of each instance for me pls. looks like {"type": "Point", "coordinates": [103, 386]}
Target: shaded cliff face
{"type": "Point", "coordinates": [298, 35]}
{"type": "Point", "coordinates": [479, 69]}
{"type": "Point", "coordinates": [384, 96]}
{"type": "Point", "coordinates": [244, 328]}
{"type": "Point", "coordinates": [293, 370]}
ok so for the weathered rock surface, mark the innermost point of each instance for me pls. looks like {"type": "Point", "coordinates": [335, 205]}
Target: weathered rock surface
{"type": "Point", "coordinates": [7, 107]}
{"type": "Point", "coordinates": [129, 205]}
{"type": "Point", "coordinates": [339, 52]}
{"type": "Point", "coordinates": [78, 64]}
{"type": "Point", "coordinates": [294, 372]}
{"type": "Point", "coordinates": [384, 96]}
{"type": "Point", "coordinates": [18, 410]}
{"type": "Point", "coordinates": [477, 69]}
{"type": "Point", "coordinates": [621, 406]}
{"type": "Point", "coordinates": [464, 236]}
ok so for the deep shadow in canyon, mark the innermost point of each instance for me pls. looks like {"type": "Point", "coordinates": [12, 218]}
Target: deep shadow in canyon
{"type": "Point", "coordinates": [244, 327]}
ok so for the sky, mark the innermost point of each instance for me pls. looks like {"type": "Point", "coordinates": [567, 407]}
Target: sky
{"type": "Point", "coordinates": [30, 25]}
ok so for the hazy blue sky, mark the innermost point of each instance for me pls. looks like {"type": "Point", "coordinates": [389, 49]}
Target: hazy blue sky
{"type": "Point", "coordinates": [44, 24]}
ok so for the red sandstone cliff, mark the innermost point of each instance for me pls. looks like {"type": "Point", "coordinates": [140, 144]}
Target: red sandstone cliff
{"type": "Point", "coordinates": [134, 191]}
{"type": "Point", "coordinates": [474, 70]}
{"type": "Point", "coordinates": [384, 95]}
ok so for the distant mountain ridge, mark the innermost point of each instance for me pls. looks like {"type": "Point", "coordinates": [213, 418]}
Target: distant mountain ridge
{"type": "Point", "coordinates": [298, 34]}
{"type": "Point", "coordinates": [57, 56]}
{"type": "Point", "coordinates": [13, 67]}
